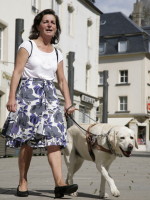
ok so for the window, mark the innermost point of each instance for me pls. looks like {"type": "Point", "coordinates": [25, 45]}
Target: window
{"type": "Point", "coordinates": [102, 47]}
{"type": "Point", "coordinates": [122, 46]}
{"type": "Point", "coordinates": [35, 6]}
{"type": "Point", "coordinates": [123, 76]}
{"type": "Point", "coordinates": [123, 103]}
{"type": "Point", "coordinates": [99, 110]}
{"type": "Point", "coordinates": [83, 114]}
{"type": "Point", "coordinates": [101, 78]}
{"type": "Point", "coordinates": [141, 135]}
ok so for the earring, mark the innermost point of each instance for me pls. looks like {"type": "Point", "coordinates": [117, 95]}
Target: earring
{"type": "Point", "coordinates": [38, 33]}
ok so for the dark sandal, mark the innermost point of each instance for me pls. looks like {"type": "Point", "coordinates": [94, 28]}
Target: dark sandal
{"type": "Point", "coordinates": [22, 193]}
{"type": "Point", "coordinates": [67, 189]}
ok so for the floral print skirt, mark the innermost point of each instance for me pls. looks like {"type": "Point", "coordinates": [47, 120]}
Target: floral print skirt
{"type": "Point", "coordinates": [38, 120]}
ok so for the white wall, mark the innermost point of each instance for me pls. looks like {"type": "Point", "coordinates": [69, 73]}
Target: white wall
{"type": "Point", "coordinates": [78, 44]}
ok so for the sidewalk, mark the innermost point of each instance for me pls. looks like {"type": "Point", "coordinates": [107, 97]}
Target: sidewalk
{"type": "Point", "coordinates": [131, 175]}
{"type": "Point", "coordinates": [141, 154]}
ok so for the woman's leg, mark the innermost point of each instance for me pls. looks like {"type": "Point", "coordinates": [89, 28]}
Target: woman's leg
{"type": "Point", "coordinates": [24, 159]}
{"type": "Point", "coordinates": [55, 161]}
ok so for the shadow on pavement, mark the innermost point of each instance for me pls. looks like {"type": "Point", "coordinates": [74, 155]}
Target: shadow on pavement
{"type": "Point", "coordinates": [9, 191]}
{"type": "Point", "coordinates": [45, 193]}
{"type": "Point", "coordinates": [86, 195]}
{"type": "Point", "coordinates": [12, 191]}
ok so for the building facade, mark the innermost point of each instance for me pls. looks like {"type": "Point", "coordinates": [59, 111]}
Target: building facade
{"type": "Point", "coordinates": [125, 54]}
{"type": "Point", "coordinates": [80, 34]}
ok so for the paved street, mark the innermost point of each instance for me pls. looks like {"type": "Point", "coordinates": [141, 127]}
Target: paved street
{"type": "Point", "coordinates": [132, 176]}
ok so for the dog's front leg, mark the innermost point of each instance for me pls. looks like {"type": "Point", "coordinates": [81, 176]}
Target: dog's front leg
{"type": "Point", "coordinates": [102, 192]}
{"type": "Point", "coordinates": [115, 192]}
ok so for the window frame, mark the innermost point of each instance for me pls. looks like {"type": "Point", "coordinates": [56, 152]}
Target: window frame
{"type": "Point", "coordinates": [102, 47]}
{"type": "Point", "coordinates": [123, 103]}
{"type": "Point", "coordinates": [123, 78]}
{"type": "Point", "coordinates": [83, 111]}
{"type": "Point", "coordinates": [35, 6]}
{"type": "Point", "coordinates": [122, 46]}
{"type": "Point", "coordinates": [101, 78]}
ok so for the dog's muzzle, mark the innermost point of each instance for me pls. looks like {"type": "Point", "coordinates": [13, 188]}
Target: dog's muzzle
{"type": "Point", "coordinates": [128, 152]}
{"type": "Point", "coordinates": [130, 147]}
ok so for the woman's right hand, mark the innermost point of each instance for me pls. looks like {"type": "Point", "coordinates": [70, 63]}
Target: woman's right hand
{"type": "Point", "coordinates": [11, 105]}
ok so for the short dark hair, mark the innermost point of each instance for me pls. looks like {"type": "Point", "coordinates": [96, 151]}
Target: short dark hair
{"type": "Point", "coordinates": [34, 33]}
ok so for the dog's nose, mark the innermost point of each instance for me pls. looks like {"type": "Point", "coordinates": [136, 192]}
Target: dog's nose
{"type": "Point", "coordinates": [130, 147]}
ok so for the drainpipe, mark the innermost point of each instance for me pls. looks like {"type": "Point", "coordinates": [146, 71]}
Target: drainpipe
{"type": "Point", "coordinates": [105, 97]}
{"type": "Point", "coordinates": [18, 34]}
{"type": "Point", "coordinates": [71, 59]}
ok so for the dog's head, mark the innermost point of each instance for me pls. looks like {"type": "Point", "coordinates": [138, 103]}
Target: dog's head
{"type": "Point", "coordinates": [122, 140]}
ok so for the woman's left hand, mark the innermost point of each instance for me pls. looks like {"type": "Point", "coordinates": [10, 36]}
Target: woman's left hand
{"type": "Point", "coordinates": [69, 110]}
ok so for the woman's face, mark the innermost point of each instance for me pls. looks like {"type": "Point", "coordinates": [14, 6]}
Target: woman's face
{"type": "Point", "coordinates": [47, 26]}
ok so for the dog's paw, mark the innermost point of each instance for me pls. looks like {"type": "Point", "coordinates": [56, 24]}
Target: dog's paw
{"type": "Point", "coordinates": [74, 194]}
{"type": "Point", "coordinates": [103, 196]}
{"type": "Point", "coordinates": [115, 192]}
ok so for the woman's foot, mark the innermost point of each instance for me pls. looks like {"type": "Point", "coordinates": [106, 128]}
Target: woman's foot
{"type": "Point", "coordinates": [22, 193]}
{"type": "Point", "coordinates": [23, 185]}
{"type": "Point", "coordinates": [67, 189]}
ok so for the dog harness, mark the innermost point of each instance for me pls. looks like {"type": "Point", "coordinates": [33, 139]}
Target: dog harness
{"type": "Point", "coordinates": [92, 143]}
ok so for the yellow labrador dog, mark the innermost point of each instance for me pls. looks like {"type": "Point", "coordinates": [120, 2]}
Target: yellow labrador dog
{"type": "Point", "coordinates": [101, 144]}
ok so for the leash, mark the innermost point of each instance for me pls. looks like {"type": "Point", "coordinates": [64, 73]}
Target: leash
{"type": "Point", "coordinates": [79, 111]}
{"type": "Point", "coordinates": [87, 116]}
{"type": "Point", "coordinates": [70, 116]}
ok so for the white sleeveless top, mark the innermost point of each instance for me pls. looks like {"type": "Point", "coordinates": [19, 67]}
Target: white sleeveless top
{"type": "Point", "coordinates": [40, 64]}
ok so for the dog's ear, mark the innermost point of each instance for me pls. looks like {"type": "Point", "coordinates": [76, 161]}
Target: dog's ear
{"type": "Point", "coordinates": [112, 137]}
{"type": "Point", "coordinates": [136, 144]}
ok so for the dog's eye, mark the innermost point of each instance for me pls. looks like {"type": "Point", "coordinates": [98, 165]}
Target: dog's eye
{"type": "Point", "coordinates": [131, 137]}
{"type": "Point", "coordinates": [122, 138]}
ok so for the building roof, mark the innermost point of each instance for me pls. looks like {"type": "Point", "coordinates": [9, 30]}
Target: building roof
{"type": "Point", "coordinates": [117, 27]}
{"type": "Point", "coordinates": [117, 23]}
{"type": "Point", "coordinates": [147, 29]}
{"type": "Point", "coordinates": [91, 5]}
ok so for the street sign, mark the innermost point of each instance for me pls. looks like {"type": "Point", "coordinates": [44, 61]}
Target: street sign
{"type": "Point", "coordinates": [148, 107]}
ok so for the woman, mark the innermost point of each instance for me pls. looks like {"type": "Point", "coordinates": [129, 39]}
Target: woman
{"type": "Point", "coordinates": [35, 119]}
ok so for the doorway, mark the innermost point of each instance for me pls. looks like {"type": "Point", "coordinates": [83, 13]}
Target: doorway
{"type": "Point", "coordinates": [141, 135]}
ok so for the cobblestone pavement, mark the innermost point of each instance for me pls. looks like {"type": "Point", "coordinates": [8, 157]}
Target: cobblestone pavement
{"type": "Point", "coordinates": [131, 175]}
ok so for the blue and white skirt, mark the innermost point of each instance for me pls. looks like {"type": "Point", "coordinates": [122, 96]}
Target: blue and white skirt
{"type": "Point", "coordinates": [38, 120]}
